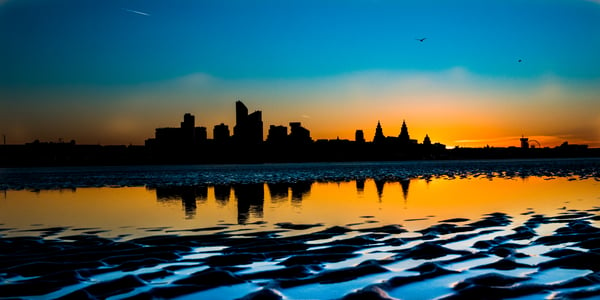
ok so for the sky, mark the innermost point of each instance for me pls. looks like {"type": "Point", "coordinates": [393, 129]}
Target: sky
{"type": "Point", "coordinates": [488, 72]}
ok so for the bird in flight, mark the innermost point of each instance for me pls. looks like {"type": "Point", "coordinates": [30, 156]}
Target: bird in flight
{"type": "Point", "coordinates": [520, 60]}
{"type": "Point", "coordinates": [421, 40]}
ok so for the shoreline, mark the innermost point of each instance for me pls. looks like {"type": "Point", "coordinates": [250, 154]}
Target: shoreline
{"type": "Point", "coordinates": [70, 154]}
{"type": "Point", "coordinates": [41, 178]}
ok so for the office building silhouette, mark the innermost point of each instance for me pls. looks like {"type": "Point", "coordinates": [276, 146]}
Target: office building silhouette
{"type": "Point", "coordinates": [299, 134]}
{"type": "Point", "coordinates": [248, 128]}
{"type": "Point", "coordinates": [359, 136]}
{"type": "Point", "coordinates": [184, 137]}
{"type": "Point", "coordinates": [277, 135]}
{"type": "Point", "coordinates": [221, 133]}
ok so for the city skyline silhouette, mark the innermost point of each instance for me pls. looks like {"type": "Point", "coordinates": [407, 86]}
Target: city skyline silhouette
{"type": "Point", "coordinates": [467, 74]}
{"type": "Point", "coordinates": [190, 144]}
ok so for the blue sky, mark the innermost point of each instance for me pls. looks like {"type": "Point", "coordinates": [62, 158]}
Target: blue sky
{"type": "Point", "coordinates": [111, 71]}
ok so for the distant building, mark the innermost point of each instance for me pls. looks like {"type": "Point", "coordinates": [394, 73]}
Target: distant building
{"type": "Point", "coordinates": [221, 133]}
{"type": "Point", "coordinates": [524, 142]}
{"type": "Point", "coordinates": [427, 141]}
{"type": "Point", "coordinates": [404, 138]}
{"type": "Point", "coordinates": [200, 135]}
{"type": "Point", "coordinates": [359, 136]}
{"type": "Point", "coordinates": [249, 127]}
{"type": "Point", "coordinates": [299, 134]}
{"type": "Point", "coordinates": [379, 137]}
{"type": "Point", "coordinates": [277, 135]}
{"type": "Point", "coordinates": [187, 135]}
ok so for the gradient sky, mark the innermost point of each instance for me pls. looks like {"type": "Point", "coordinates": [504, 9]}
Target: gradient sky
{"type": "Point", "coordinates": [110, 72]}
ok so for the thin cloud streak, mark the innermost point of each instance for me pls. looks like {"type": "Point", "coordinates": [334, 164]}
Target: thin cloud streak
{"type": "Point", "coordinates": [136, 12]}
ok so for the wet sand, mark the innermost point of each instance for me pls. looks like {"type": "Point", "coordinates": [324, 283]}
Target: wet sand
{"type": "Point", "coordinates": [546, 256]}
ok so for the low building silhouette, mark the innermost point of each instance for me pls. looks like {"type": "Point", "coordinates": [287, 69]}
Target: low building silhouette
{"type": "Point", "coordinates": [427, 141]}
{"type": "Point", "coordinates": [524, 142]}
{"type": "Point", "coordinates": [359, 136]}
{"type": "Point", "coordinates": [299, 134]}
{"type": "Point", "coordinates": [221, 134]}
{"type": "Point", "coordinates": [277, 135]}
{"type": "Point", "coordinates": [184, 137]}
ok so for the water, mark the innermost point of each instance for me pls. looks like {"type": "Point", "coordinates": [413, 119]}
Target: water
{"type": "Point", "coordinates": [339, 216]}
{"type": "Point", "coordinates": [413, 203]}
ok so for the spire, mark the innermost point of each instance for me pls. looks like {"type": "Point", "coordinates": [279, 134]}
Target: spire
{"type": "Point", "coordinates": [379, 137]}
{"type": "Point", "coordinates": [404, 137]}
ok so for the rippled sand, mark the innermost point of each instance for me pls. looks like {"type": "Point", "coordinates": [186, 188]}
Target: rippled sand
{"type": "Point", "coordinates": [489, 258]}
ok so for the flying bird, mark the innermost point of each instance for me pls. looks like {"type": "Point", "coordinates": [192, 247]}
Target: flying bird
{"type": "Point", "coordinates": [421, 40]}
{"type": "Point", "coordinates": [520, 60]}
{"type": "Point", "coordinates": [136, 12]}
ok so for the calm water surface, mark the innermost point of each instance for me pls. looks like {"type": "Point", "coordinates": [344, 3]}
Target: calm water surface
{"type": "Point", "coordinates": [195, 220]}
{"type": "Point", "coordinates": [413, 203]}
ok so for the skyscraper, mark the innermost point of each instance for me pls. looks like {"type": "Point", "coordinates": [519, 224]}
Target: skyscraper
{"type": "Point", "coordinates": [248, 128]}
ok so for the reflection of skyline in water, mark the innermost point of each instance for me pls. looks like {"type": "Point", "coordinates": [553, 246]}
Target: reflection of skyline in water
{"type": "Point", "coordinates": [250, 198]}
{"type": "Point", "coordinates": [380, 184]}
{"type": "Point", "coordinates": [319, 202]}
{"type": "Point", "coordinates": [188, 195]}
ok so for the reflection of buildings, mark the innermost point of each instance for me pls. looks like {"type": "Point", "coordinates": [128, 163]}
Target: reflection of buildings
{"type": "Point", "coordinates": [222, 193]}
{"type": "Point", "coordinates": [250, 200]}
{"type": "Point", "coordinates": [380, 184]}
{"type": "Point", "coordinates": [188, 195]}
{"type": "Point", "coordinates": [404, 183]}
{"type": "Point", "coordinates": [298, 190]}
{"type": "Point", "coordinates": [279, 191]}
{"type": "Point", "coordinates": [360, 186]}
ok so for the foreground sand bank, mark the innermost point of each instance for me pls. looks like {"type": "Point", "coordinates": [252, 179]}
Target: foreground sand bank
{"type": "Point", "coordinates": [492, 257]}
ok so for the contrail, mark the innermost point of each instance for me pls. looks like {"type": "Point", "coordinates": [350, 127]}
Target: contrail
{"type": "Point", "coordinates": [137, 12]}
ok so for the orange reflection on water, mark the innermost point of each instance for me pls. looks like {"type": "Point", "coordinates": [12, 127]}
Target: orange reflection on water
{"type": "Point", "coordinates": [414, 204]}
{"type": "Point", "coordinates": [403, 202]}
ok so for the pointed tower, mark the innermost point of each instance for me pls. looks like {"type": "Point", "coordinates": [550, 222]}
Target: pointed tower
{"type": "Point", "coordinates": [379, 137]}
{"type": "Point", "coordinates": [404, 137]}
